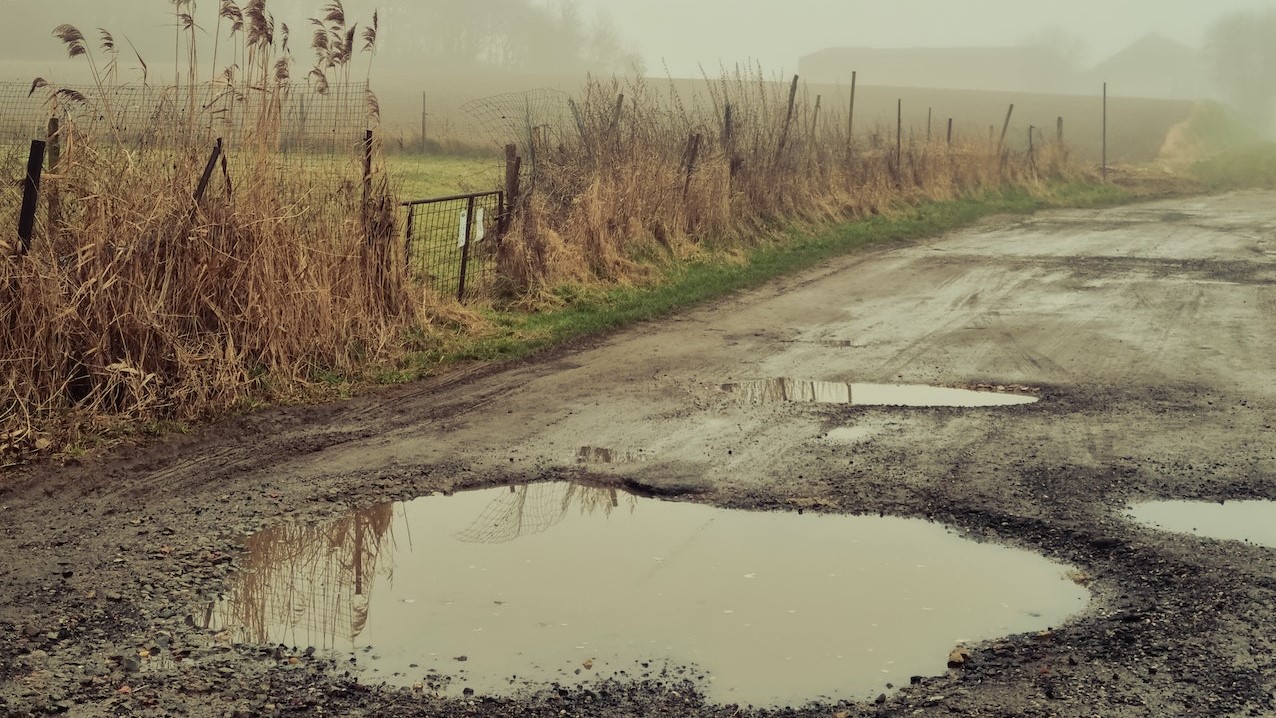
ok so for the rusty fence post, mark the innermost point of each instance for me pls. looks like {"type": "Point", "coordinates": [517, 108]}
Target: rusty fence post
{"type": "Point", "coordinates": [30, 194]}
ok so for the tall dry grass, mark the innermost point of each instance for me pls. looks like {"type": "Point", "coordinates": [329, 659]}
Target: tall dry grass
{"type": "Point", "coordinates": [640, 168]}
{"type": "Point", "coordinates": [137, 302]}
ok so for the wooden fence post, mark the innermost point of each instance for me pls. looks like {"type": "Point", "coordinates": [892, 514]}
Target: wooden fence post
{"type": "Point", "coordinates": [690, 156]}
{"type": "Point", "coordinates": [788, 119]}
{"type": "Point", "coordinates": [30, 194]}
{"type": "Point", "coordinates": [728, 127]}
{"type": "Point", "coordinates": [1005, 128]}
{"type": "Point", "coordinates": [208, 171]}
{"type": "Point", "coordinates": [899, 135]}
{"type": "Point", "coordinates": [850, 122]}
{"type": "Point", "coordinates": [513, 165]}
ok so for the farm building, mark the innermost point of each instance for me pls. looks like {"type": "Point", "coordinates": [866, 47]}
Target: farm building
{"type": "Point", "coordinates": [1005, 69]}
{"type": "Point", "coordinates": [1155, 66]}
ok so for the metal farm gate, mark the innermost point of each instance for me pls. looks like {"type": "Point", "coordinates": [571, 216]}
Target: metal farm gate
{"type": "Point", "coordinates": [451, 242]}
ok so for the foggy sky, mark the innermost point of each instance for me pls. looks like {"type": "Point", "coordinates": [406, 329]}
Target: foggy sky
{"type": "Point", "coordinates": [684, 34]}
{"type": "Point", "coordinates": [777, 33]}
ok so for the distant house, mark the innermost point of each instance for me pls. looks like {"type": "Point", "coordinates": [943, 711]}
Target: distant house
{"type": "Point", "coordinates": [1155, 66]}
{"type": "Point", "coordinates": [1009, 69]}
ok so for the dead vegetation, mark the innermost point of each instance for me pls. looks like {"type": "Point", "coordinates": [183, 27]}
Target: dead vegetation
{"type": "Point", "coordinates": [143, 300]}
{"type": "Point", "coordinates": [641, 175]}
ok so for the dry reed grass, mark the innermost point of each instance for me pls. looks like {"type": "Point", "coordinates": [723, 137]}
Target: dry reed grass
{"type": "Point", "coordinates": [138, 303]}
{"type": "Point", "coordinates": [640, 171]}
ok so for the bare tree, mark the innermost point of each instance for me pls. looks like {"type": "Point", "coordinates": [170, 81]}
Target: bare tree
{"type": "Point", "coordinates": [1242, 58]}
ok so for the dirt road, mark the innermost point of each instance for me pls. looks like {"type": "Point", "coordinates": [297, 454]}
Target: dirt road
{"type": "Point", "coordinates": [1149, 332]}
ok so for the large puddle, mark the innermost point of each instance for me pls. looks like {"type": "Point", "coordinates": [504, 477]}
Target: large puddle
{"type": "Point", "coordinates": [1248, 521]}
{"type": "Point", "coordinates": [825, 392]}
{"type": "Point", "coordinates": [562, 583]}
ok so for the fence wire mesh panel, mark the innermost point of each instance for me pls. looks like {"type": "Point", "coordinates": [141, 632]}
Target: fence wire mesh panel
{"type": "Point", "coordinates": [451, 242]}
{"type": "Point", "coordinates": [317, 140]}
{"type": "Point", "coordinates": [139, 117]}
{"type": "Point", "coordinates": [531, 118]}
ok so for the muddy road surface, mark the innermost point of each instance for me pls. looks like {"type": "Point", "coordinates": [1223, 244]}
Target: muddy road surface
{"type": "Point", "coordinates": [1148, 332]}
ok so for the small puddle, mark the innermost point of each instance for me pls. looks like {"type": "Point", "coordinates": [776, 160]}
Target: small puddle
{"type": "Point", "coordinates": [525, 586]}
{"type": "Point", "coordinates": [1249, 521]}
{"type": "Point", "coordinates": [824, 392]}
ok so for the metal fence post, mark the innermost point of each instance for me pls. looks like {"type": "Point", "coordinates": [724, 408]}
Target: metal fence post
{"type": "Point", "coordinates": [30, 194]}
{"type": "Point", "coordinates": [465, 248]}
{"type": "Point", "coordinates": [407, 236]}
{"type": "Point", "coordinates": [1105, 132]}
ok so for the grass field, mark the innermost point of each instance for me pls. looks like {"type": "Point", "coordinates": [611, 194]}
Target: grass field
{"type": "Point", "coordinates": [1136, 129]}
{"type": "Point", "coordinates": [426, 176]}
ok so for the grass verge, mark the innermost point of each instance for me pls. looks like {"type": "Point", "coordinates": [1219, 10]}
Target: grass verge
{"type": "Point", "coordinates": [514, 334]}
{"type": "Point", "coordinates": [1250, 168]}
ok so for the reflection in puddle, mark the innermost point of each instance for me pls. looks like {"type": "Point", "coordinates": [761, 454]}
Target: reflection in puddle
{"type": "Point", "coordinates": [1250, 521]}
{"type": "Point", "coordinates": [560, 582]}
{"type": "Point", "coordinates": [824, 392]}
{"type": "Point", "coordinates": [599, 455]}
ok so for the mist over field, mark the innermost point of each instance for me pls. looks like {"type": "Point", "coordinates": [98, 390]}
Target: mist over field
{"type": "Point", "coordinates": [454, 50]}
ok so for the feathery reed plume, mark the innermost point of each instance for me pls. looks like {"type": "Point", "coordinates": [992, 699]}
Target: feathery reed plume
{"type": "Point", "coordinates": [72, 38]}
{"type": "Point", "coordinates": [230, 11]}
{"type": "Point", "coordinates": [370, 34]}
{"type": "Point", "coordinates": [108, 41]}
{"type": "Point", "coordinates": [335, 14]}
{"type": "Point", "coordinates": [318, 80]}
{"type": "Point", "coordinates": [72, 94]}
{"type": "Point", "coordinates": [347, 45]}
{"type": "Point", "coordinates": [146, 304]}
{"type": "Point", "coordinates": [258, 22]}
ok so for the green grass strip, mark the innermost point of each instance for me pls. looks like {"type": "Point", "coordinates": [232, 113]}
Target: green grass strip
{"type": "Point", "coordinates": [686, 284]}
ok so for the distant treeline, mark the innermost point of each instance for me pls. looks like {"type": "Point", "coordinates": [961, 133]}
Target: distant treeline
{"type": "Point", "coordinates": [508, 35]}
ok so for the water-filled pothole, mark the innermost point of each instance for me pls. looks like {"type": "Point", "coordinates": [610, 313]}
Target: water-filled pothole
{"type": "Point", "coordinates": [561, 582]}
{"type": "Point", "coordinates": [827, 392]}
{"type": "Point", "coordinates": [1248, 521]}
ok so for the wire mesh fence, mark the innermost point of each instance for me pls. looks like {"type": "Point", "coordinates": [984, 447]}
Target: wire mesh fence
{"type": "Point", "coordinates": [451, 242]}
{"type": "Point", "coordinates": [137, 117]}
